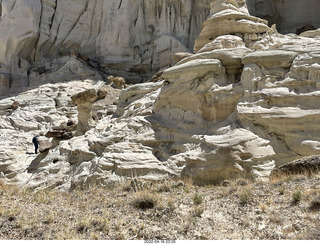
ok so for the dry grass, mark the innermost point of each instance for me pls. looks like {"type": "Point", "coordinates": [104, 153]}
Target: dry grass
{"type": "Point", "coordinates": [145, 200]}
{"type": "Point", "coordinates": [163, 210]}
{"type": "Point", "coordinates": [245, 196]}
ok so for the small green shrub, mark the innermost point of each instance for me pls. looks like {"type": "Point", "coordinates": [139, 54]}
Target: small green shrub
{"type": "Point", "coordinates": [197, 199]}
{"type": "Point", "coordinates": [296, 196]}
{"type": "Point", "coordinates": [245, 196]}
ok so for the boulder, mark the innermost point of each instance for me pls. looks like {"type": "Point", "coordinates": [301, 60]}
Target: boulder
{"type": "Point", "coordinates": [55, 134]}
{"type": "Point", "coordinates": [44, 146]}
{"type": "Point", "coordinates": [15, 105]}
{"type": "Point", "coordinates": [117, 82]}
{"type": "Point", "coordinates": [87, 96]}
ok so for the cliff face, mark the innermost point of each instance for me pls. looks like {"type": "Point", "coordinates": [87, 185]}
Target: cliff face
{"type": "Point", "coordinates": [288, 15]}
{"type": "Point", "coordinates": [132, 38]}
{"type": "Point", "coordinates": [245, 102]}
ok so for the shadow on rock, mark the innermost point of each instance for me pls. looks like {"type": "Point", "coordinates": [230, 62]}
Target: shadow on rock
{"type": "Point", "coordinates": [35, 163]}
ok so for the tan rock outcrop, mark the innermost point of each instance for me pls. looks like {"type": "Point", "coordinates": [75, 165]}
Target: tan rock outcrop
{"type": "Point", "coordinates": [194, 69]}
{"type": "Point", "coordinates": [44, 146]}
{"type": "Point", "coordinates": [271, 58]}
{"type": "Point", "coordinates": [117, 82]}
{"type": "Point", "coordinates": [231, 59]}
{"type": "Point", "coordinates": [229, 17]}
{"type": "Point", "coordinates": [221, 42]}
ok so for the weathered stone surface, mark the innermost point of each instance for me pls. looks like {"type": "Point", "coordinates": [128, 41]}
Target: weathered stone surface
{"type": "Point", "coordinates": [270, 59]}
{"type": "Point", "coordinates": [87, 96]}
{"type": "Point", "coordinates": [229, 57]}
{"type": "Point", "coordinates": [118, 82]}
{"type": "Point", "coordinates": [225, 41]}
{"type": "Point", "coordinates": [192, 70]}
{"type": "Point", "coordinates": [311, 34]}
{"type": "Point", "coordinates": [239, 109]}
{"type": "Point", "coordinates": [229, 17]}
{"type": "Point", "coordinates": [44, 146]}
{"type": "Point", "coordinates": [179, 56]}
{"type": "Point", "coordinates": [130, 38]}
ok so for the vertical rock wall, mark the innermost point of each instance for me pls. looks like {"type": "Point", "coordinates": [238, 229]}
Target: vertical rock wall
{"type": "Point", "coordinates": [132, 38]}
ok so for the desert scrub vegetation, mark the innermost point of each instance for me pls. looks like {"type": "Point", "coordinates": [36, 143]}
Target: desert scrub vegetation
{"type": "Point", "coordinates": [171, 209]}
{"type": "Point", "coordinates": [245, 195]}
{"type": "Point", "coordinates": [197, 199]}
{"type": "Point", "coordinates": [144, 200]}
{"type": "Point", "coordinates": [197, 211]}
{"type": "Point", "coordinates": [296, 196]}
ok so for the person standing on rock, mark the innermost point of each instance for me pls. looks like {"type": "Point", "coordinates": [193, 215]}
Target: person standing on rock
{"type": "Point", "coordinates": [35, 141]}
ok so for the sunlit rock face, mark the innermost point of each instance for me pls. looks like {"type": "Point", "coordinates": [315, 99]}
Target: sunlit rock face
{"type": "Point", "coordinates": [130, 38]}
{"type": "Point", "coordinates": [245, 102]}
{"type": "Point", "coordinates": [229, 17]}
{"type": "Point", "coordinates": [288, 15]}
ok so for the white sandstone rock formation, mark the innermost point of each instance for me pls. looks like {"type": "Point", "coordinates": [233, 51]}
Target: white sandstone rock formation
{"type": "Point", "coordinates": [244, 103]}
{"type": "Point", "coordinates": [131, 38]}
{"type": "Point", "coordinates": [230, 17]}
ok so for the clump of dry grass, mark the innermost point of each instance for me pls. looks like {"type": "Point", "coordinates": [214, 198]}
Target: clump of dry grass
{"type": "Point", "coordinates": [315, 202]}
{"type": "Point", "coordinates": [275, 218]}
{"type": "Point", "coordinates": [145, 200]}
{"type": "Point", "coordinates": [245, 196]}
{"type": "Point", "coordinates": [171, 204]}
{"type": "Point", "coordinates": [197, 211]}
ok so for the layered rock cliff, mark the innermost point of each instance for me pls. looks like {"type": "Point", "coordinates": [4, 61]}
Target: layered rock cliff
{"type": "Point", "coordinates": [246, 101]}
{"type": "Point", "coordinates": [131, 38]}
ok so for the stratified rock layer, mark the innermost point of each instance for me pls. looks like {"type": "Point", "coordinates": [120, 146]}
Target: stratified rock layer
{"type": "Point", "coordinates": [242, 105]}
{"type": "Point", "coordinates": [229, 17]}
{"type": "Point", "coordinates": [131, 38]}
